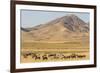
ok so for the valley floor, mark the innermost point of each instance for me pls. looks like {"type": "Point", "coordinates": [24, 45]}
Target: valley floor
{"type": "Point", "coordinates": [51, 52]}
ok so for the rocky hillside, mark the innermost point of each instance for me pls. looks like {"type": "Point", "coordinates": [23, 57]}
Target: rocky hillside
{"type": "Point", "coordinates": [66, 28]}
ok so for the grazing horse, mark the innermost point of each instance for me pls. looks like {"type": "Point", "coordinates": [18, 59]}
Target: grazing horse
{"type": "Point", "coordinates": [44, 57]}
{"type": "Point", "coordinates": [35, 56]}
{"type": "Point", "coordinates": [50, 55]}
{"type": "Point", "coordinates": [73, 55]}
{"type": "Point", "coordinates": [66, 57]}
{"type": "Point", "coordinates": [81, 56]}
{"type": "Point", "coordinates": [26, 54]}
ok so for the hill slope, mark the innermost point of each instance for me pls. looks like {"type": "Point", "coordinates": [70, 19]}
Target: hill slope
{"type": "Point", "coordinates": [66, 28]}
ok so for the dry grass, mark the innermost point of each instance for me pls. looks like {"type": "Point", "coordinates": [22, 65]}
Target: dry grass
{"type": "Point", "coordinates": [66, 49]}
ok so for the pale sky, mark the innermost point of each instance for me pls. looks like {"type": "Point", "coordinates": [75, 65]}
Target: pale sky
{"type": "Point", "coordinates": [30, 18]}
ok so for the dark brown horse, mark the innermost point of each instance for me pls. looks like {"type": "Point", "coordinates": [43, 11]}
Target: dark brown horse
{"type": "Point", "coordinates": [44, 57]}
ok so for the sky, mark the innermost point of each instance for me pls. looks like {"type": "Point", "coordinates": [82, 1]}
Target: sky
{"type": "Point", "coordinates": [31, 18]}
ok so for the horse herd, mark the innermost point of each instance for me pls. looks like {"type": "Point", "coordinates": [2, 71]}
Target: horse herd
{"type": "Point", "coordinates": [47, 56]}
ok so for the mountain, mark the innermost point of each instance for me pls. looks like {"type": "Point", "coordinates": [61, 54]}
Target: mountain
{"type": "Point", "coordinates": [66, 28]}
